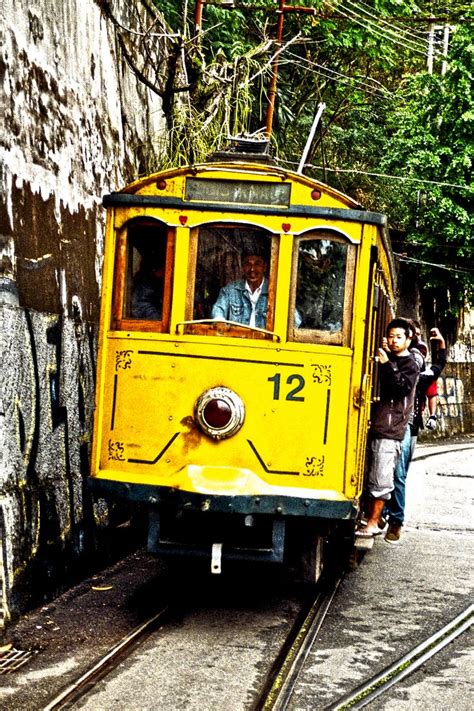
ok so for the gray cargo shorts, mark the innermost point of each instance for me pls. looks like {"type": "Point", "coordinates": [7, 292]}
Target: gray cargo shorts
{"type": "Point", "coordinates": [385, 454]}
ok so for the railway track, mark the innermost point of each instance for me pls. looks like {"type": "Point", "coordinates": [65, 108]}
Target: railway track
{"type": "Point", "coordinates": [283, 676]}
{"type": "Point", "coordinates": [286, 673]}
{"type": "Point", "coordinates": [380, 683]}
{"type": "Point", "coordinates": [283, 679]}
{"type": "Point", "coordinates": [81, 686]}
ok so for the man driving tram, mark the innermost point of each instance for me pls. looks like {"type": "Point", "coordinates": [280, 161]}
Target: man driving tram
{"type": "Point", "coordinates": [245, 300]}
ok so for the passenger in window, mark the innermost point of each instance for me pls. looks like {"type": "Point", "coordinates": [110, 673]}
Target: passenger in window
{"type": "Point", "coordinates": [245, 300]}
{"type": "Point", "coordinates": [320, 289]}
{"type": "Point", "coordinates": [148, 288]}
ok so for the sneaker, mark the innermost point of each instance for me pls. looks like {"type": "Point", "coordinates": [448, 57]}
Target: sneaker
{"type": "Point", "coordinates": [393, 533]}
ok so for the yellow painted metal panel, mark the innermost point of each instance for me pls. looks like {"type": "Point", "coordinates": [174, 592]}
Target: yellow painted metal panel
{"type": "Point", "coordinates": [296, 414]}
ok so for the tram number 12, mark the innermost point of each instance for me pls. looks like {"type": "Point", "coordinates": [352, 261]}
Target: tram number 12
{"type": "Point", "coordinates": [295, 380]}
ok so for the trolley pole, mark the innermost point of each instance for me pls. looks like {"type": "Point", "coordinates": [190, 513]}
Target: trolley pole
{"type": "Point", "coordinates": [307, 147]}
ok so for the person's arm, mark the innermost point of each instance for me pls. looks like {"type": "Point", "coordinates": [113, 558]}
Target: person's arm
{"type": "Point", "coordinates": [220, 310]}
{"type": "Point", "coordinates": [399, 376]}
{"type": "Point", "coordinates": [439, 356]}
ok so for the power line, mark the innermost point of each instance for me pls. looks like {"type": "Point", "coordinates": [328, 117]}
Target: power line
{"type": "Point", "coordinates": [333, 74]}
{"type": "Point", "coordinates": [375, 30]}
{"type": "Point", "coordinates": [378, 18]}
{"type": "Point", "coordinates": [389, 20]}
{"type": "Point", "coordinates": [385, 175]}
{"type": "Point", "coordinates": [443, 245]}
{"type": "Point", "coordinates": [402, 258]}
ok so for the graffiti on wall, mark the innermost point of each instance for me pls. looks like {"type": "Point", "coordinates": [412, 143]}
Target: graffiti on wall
{"type": "Point", "coordinates": [451, 403]}
{"type": "Point", "coordinates": [47, 517]}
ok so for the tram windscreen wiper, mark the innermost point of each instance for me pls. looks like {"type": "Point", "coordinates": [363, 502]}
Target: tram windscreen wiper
{"type": "Point", "coordinates": [234, 324]}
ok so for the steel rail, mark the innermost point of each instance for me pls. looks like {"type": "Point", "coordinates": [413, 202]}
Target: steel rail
{"type": "Point", "coordinates": [460, 447]}
{"type": "Point", "coordinates": [380, 683]}
{"type": "Point", "coordinates": [284, 677]}
{"type": "Point", "coordinates": [108, 662]}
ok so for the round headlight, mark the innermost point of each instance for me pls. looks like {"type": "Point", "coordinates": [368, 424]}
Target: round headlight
{"type": "Point", "coordinates": [220, 412]}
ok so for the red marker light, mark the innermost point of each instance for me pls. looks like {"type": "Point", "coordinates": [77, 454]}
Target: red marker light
{"type": "Point", "coordinates": [161, 184]}
{"type": "Point", "coordinates": [217, 414]}
{"type": "Point", "coordinates": [316, 194]}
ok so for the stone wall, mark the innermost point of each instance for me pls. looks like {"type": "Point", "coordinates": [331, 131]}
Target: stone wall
{"type": "Point", "coordinates": [79, 113]}
{"type": "Point", "coordinates": [455, 410]}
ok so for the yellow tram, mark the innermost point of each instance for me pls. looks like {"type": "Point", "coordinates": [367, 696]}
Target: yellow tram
{"type": "Point", "coordinates": [242, 440]}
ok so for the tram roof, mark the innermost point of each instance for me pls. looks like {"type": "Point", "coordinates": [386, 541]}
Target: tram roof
{"type": "Point", "coordinates": [145, 192]}
{"type": "Point", "coordinates": [242, 168]}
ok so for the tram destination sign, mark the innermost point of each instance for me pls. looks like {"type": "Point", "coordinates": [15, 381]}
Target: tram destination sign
{"type": "Point", "coordinates": [244, 192]}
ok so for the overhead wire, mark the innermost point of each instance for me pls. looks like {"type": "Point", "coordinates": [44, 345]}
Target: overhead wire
{"type": "Point", "coordinates": [367, 25]}
{"type": "Point", "coordinates": [383, 21]}
{"type": "Point", "coordinates": [332, 74]}
{"type": "Point", "coordinates": [402, 258]}
{"type": "Point", "coordinates": [386, 33]}
{"type": "Point", "coordinates": [401, 178]}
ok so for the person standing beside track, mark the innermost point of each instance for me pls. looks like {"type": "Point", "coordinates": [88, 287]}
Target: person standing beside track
{"type": "Point", "coordinates": [398, 377]}
{"type": "Point", "coordinates": [395, 508]}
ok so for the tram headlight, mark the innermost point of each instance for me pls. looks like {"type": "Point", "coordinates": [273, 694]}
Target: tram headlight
{"type": "Point", "coordinates": [219, 412]}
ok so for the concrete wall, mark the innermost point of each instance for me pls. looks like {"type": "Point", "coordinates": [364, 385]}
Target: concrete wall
{"type": "Point", "coordinates": [455, 410]}
{"type": "Point", "coordinates": [77, 124]}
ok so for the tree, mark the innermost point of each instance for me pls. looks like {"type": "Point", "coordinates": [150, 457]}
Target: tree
{"type": "Point", "coordinates": [429, 139]}
{"type": "Point", "coordinates": [384, 113]}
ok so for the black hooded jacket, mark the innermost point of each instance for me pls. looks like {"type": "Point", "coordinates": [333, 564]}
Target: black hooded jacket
{"type": "Point", "coordinates": [398, 378]}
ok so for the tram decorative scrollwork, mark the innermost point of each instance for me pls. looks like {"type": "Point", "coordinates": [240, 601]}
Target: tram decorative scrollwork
{"type": "Point", "coordinates": [314, 466]}
{"type": "Point", "coordinates": [116, 451]}
{"type": "Point", "coordinates": [123, 360]}
{"type": "Point", "coordinates": [322, 373]}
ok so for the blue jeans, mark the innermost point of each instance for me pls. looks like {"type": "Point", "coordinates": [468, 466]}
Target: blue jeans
{"type": "Point", "coordinates": [395, 508]}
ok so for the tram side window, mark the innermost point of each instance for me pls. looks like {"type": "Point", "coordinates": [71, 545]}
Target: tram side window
{"type": "Point", "coordinates": [146, 268]}
{"type": "Point", "coordinates": [232, 275]}
{"type": "Point", "coordinates": [321, 286]}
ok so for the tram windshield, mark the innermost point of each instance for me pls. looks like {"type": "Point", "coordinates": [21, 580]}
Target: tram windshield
{"type": "Point", "coordinates": [233, 275]}
{"type": "Point", "coordinates": [323, 287]}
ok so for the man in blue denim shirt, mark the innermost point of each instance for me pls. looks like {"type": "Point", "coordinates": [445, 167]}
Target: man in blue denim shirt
{"type": "Point", "coordinates": [245, 300]}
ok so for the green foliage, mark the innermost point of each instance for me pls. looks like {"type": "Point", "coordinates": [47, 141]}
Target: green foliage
{"type": "Point", "coordinates": [384, 113]}
{"type": "Point", "coordinates": [430, 139]}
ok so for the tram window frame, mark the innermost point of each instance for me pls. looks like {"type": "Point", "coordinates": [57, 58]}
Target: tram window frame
{"type": "Point", "coordinates": [322, 336]}
{"type": "Point", "coordinates": [223, 328]}
{"type": "Point", "coordinates": [124, 273]}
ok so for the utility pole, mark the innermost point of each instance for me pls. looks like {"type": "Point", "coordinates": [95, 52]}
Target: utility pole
{"type": "Point", "coordinates": [282, 8]}
{"type": "Point", "coordinates": [444, 65]}
{"type": "Point", "coordinates": [434, 31]}
{"type": "Point", "coordinates": [431, 31]}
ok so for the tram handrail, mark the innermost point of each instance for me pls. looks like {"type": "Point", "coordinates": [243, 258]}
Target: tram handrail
{"type": "Point", "coordinates": [216, 321]}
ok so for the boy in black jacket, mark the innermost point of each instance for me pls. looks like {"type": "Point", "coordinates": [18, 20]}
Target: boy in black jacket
{"type": "Point", "coordinates": [398, 377]}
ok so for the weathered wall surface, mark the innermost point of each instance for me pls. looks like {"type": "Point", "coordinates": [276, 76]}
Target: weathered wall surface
{"type": "Point", "coordinates": [455, 411]}
{"type": "Point", "coordinates": [75, 120]}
